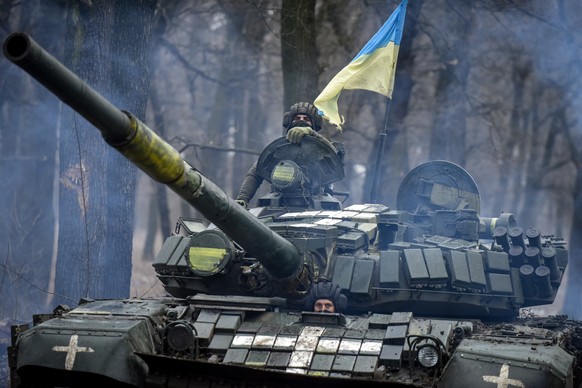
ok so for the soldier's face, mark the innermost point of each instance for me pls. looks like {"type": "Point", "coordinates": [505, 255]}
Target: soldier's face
{"type": "Point", "coordinates": [324, 306]}
{"type": "Point", "coordinates": [301, 117]}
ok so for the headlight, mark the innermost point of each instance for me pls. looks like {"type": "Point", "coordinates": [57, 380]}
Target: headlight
{"type": "Point", "coordinates": [286, 175]}
{"type": "Point", "coordinates": [180, 337]}
{"type": "Point", "coordinates": [210, 252]}
{"type": "Point", "coordinates": [428, 356]}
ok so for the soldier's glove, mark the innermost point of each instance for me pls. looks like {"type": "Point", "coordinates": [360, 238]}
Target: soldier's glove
{"type": "Point", "coordinates": [243, 203]}
{"type": "Point", "coordinates": [294, 135]}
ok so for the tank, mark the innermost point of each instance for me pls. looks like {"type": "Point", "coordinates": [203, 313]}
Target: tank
{"type": "Point", "coordinates": [437, 294]}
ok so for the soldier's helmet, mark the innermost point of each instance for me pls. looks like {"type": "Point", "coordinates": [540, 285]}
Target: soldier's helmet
{"type": "Point", "coordinates": [329, 291]}
{"type": "Point", "coordinates": [302, 108]}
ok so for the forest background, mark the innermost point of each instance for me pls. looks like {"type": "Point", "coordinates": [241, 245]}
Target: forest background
{"type": "Point", "coordinates": [491, 85]}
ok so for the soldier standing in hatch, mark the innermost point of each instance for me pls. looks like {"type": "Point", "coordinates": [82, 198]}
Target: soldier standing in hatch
{"type": "Point", "coordinates": [302, 119]}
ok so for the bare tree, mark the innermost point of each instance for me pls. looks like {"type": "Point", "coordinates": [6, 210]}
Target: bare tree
{"type": "Point", "coordinates": [28, 143]}
{"type": "Point", "coordinates": [298, 54]}
{"type": "Point", "coordinates": [108, 46]}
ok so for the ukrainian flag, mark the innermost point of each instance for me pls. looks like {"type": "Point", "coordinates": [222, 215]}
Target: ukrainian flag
{"type": "Point", "coordinates": [372, 69]}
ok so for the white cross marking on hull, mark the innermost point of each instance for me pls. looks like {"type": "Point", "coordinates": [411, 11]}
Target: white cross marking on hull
{"type": "Point", "coordinates": [72, 351]}
{"type": "Point", "coordinates": [503, 380]}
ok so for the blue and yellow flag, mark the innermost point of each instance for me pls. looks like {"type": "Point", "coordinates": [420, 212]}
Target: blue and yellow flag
{"type": "Point", "coordinates": [372, 69]}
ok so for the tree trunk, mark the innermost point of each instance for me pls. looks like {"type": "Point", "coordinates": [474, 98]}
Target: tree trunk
{"type": "Point", "coordinates": [449, 126]}
{"type": "Point", "coordinates": [110, 50]}
{"type": "Point", "coordinates": [27, 171]}
{"type": "Point", "coordinates": [298, 53]}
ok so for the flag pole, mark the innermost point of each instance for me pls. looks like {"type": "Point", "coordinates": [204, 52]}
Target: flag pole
{"type": "Point", "coordinates": [380, 153]}
{"type": "Point", "coordinates": [373, 69]}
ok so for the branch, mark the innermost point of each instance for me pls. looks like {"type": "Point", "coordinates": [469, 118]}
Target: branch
{"type": "Point", "coordinates": [171, 48]}
{"type": "Point", "coordinates": [186, 145]}
{"type": "Point", "coordinates": [7, 268]}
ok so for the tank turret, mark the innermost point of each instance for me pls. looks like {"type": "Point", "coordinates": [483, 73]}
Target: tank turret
{"type": "Point", "coordinates": [428, 294]}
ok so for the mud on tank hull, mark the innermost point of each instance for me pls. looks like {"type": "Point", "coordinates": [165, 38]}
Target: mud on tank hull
{"type": "Point", "coordinates": [252, 341]}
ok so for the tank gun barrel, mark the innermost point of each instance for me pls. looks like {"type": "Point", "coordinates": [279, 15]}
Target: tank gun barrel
{"type": "Point", "coordinates": [156, 157]}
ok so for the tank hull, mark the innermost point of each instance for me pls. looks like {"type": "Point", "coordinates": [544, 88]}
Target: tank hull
{"type": "Point", "coordinates": [256, 342]}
